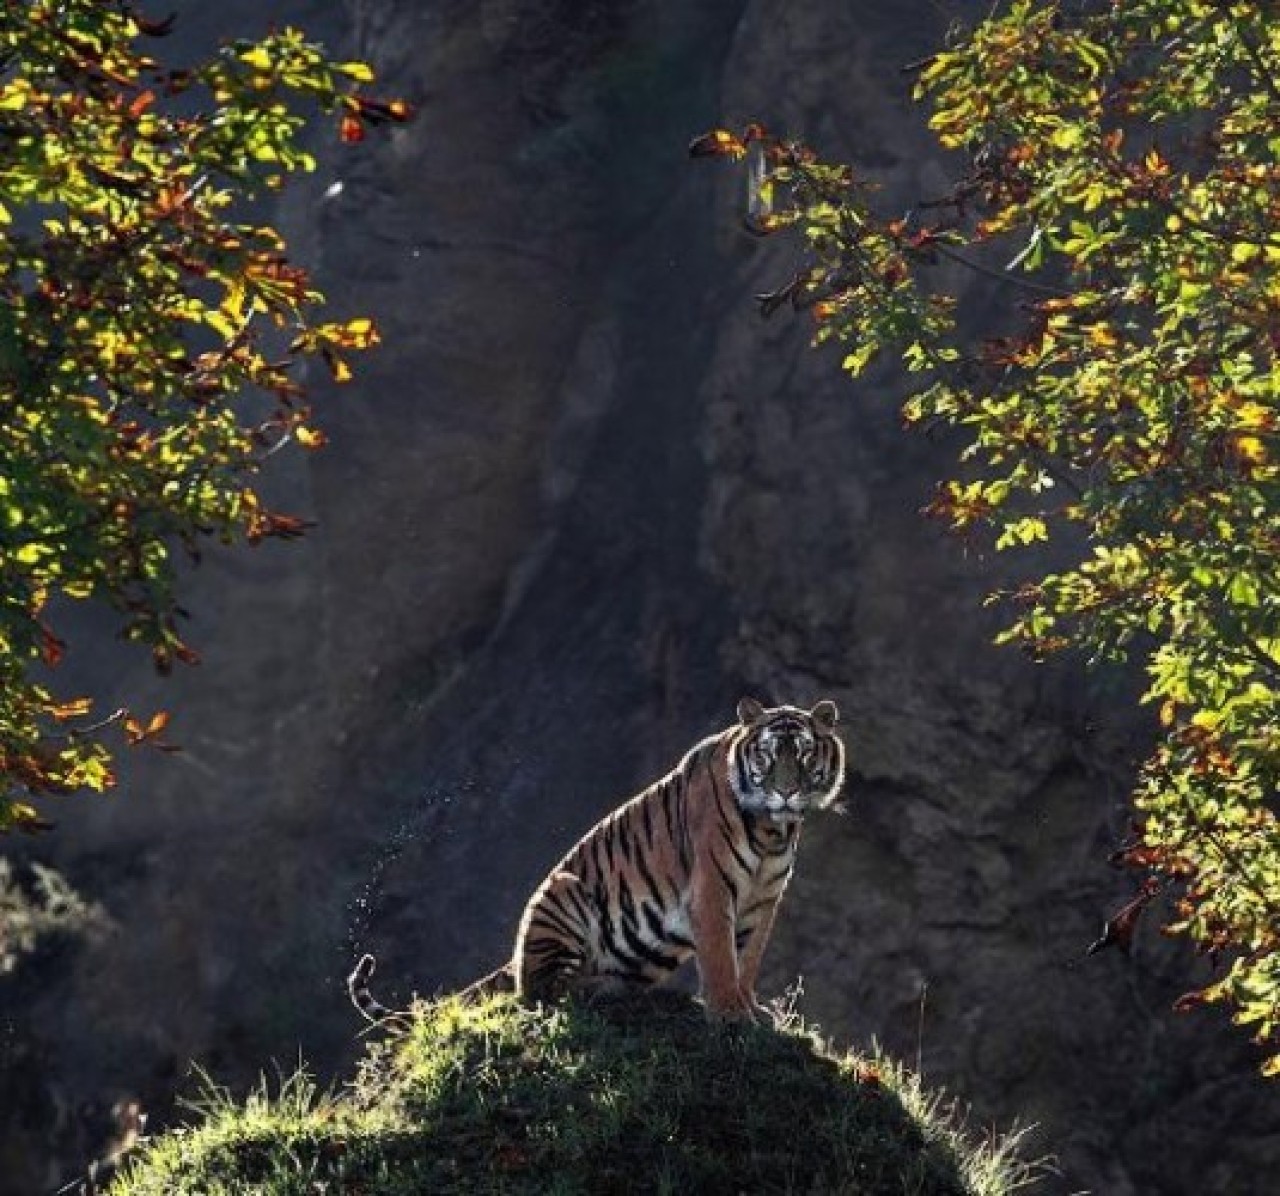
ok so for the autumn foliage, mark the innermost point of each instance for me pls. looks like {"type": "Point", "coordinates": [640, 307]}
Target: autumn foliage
{"type": "Point", "coordinates": [150, 338]}
{"type": "Point", "coordinates": [1119, 183]}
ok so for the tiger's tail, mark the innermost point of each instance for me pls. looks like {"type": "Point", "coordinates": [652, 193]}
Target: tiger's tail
{"type": "Point", "coordinates": [500, 980]}
{"type": "Point", "coordinates": [369, 1005]}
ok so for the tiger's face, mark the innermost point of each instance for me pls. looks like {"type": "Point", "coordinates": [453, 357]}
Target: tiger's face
{"type": "Point", "coordinates": [788, 761]}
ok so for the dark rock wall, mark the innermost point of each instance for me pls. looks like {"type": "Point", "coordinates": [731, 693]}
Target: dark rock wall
{"type": "Point", "coordinates": [579, 501]}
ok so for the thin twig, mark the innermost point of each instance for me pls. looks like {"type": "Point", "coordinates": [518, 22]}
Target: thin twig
{"type": "Point", "coordinates": [1000, 275]}
{"type": "Point", "coordinates": [114, 717]}
{"type": "Point", "coordinates": [920, 64]}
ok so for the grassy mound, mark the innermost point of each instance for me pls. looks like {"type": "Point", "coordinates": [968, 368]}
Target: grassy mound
{"type": "Point", "coordinates": [641, 1096]}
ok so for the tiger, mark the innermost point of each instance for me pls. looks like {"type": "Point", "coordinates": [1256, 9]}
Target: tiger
{"type": "Point", "coordinates": [694, 865]}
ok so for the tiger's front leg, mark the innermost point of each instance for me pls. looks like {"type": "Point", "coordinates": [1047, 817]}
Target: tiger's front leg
{"type": "Point", "coordinates": [753, 953]}
{"type": "Point", "coordinates": [711, 918]}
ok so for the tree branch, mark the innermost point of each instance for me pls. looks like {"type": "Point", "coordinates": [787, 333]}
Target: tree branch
{"type": "Point", "coordinates": [1000, 275]}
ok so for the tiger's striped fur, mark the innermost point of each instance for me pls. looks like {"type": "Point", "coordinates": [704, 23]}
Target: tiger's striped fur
{"type": "Point", "coordinates": [694, 865]}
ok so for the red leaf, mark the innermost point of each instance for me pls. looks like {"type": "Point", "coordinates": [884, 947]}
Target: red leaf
{"type": "Point", "coordinates": [379, 111]}
{"type": "Point", "coordinates": [52, 649]}
{"type": "Point", "coordinates": [72, 709]}
{"type": "Point", "coordinates": [1191, 1000]}
{"type": "Point", "coordinates": [766, 223]}
{"type": "Point", "coordinates": [135, 733]}
{"type": "Point", "coordinates": [155, 28]}
{"type": "Point", "coordinates": [142, 103]}
{"type": "Point", "coordinates": [1119, 930]}
{"type": "Point", "coordinates": [269, 523]}
{"type": "Point", "coordinates": [186, 655]}
{"type": "Point", "coordinates": [351, 130]}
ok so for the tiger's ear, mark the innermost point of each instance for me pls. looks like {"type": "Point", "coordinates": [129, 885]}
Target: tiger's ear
{"type": "Point", "coordinates": [749, 710]}
{"type": "Point", "coordinates": [825, 714]}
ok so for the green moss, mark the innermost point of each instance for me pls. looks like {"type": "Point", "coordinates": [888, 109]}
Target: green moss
{"type": "Point", "coordinates": [641, 1096]}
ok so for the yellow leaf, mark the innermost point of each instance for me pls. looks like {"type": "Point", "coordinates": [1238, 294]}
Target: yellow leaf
{"type": "Point", "coordinates": [362, 331]}
{"type": "Point", "coordinates": [1067, 137]}
{"type": "Point", "coordinates": [359, 71]}
{"type": "Point", "coordinates": [359, 333]}
{"type": "Point", "coordinates": [1255, 416]}
{"type": "Point", "coordinates": [1250, 449]}
{"type": "Point", "coordinates": [719, 143]}
{"type": "Point", "coordinates": [25, 815]}
{"type": "Point", "coordinates": [340, 370]}
{"type": "Point", "coordinates": [940, 64]}
{"type": "Point", "coordinates": [14, 96]}
{"type": "Point", "coordinates": [257, 57]}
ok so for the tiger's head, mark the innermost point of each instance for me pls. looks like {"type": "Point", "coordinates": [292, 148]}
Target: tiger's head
{"type": "Point", "coordinates": [785, 761]}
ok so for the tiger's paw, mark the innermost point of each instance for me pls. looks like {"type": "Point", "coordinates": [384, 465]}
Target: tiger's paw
{"type": "Point", "coordinates": [737, 1008]}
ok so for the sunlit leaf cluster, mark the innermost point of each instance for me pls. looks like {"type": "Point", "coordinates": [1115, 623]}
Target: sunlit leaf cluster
{"type": "Point", "coordinates": [1119, 184]}
{"type": "Point", "coordinates": [150, 341]}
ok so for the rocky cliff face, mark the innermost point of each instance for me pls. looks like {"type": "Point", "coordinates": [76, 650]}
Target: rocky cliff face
{"type": "Point", "coordinates": [581, 500]}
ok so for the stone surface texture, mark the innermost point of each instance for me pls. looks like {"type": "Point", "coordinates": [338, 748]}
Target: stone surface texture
{"type": "Point", "coordinates": [581, 499]}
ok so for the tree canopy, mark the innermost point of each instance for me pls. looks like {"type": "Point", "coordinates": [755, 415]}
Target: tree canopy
{"type": "Point", "coordinates": [1119, 179]}
{"type": "Point", "coordinates": [150, 338]}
